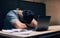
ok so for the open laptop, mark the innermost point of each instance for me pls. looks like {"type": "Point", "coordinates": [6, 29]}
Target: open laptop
{"type": "Point", "coordinates": [43, 23]}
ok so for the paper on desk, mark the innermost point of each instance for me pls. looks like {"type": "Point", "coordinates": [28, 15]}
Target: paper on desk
{"type": "Point", "coordinates": [11, 30]}
{"type": "Point", "coordinates": [7, 31]}
{"type": "Point", "coordinates": [23, 32]}
{"type": "Point", "coordinates": [18, 31]}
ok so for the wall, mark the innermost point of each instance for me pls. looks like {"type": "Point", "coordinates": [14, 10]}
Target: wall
{"type": "Point", "coordinates": [53, 10]}
{"type": "Point", "coordinates": [34, 0]}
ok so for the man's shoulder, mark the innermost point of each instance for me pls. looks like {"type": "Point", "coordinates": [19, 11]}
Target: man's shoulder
{"type": "Point", "coordinates": [16, 10]}
{"type": "Point", "coordinates": [13, 11]}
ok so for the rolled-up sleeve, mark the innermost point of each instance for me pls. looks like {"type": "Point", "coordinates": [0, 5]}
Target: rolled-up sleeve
{"type": "Point", "coordinates": [12, 16]}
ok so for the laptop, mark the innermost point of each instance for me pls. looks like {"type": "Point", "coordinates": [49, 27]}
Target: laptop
{"type": "Point", "coordinates": [43, 23]}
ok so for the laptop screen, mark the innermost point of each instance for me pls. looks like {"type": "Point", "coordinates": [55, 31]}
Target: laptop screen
{"type": "Point", "coordinates": [43, 23]}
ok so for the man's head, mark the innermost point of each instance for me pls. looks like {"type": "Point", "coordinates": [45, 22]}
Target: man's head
{"type": "Point", "coordinates": [28, 16]}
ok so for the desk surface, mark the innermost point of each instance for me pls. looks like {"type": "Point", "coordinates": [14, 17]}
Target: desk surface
{"type": "Point", "coordinates": [50, 30]}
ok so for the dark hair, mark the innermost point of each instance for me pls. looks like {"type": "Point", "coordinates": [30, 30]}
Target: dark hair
{"type": "Point", "coordinates": [28, 15]}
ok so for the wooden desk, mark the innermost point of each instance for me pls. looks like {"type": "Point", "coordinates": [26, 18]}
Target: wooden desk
{"type": "Point", "coordinates": [52, 29]}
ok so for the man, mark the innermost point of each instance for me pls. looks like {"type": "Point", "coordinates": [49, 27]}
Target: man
{"type": "Point", "coordinates": [19, 19]}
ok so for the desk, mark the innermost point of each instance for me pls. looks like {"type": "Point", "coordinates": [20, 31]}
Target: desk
{"type": "Point", "coordinates": [52, 29]}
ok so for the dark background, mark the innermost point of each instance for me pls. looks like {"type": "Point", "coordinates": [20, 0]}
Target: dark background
{"type": "Point", "coordinates": [7, 5]}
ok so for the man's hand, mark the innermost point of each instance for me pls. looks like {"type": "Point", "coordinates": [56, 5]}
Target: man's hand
{"type": "Point", "coordinates": [22, 26]}
{"type": "Point", "coordinates": [34, 23]}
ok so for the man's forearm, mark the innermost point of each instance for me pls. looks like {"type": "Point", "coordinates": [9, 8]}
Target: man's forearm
{"type": "Point", "coordinates": [19, 25]}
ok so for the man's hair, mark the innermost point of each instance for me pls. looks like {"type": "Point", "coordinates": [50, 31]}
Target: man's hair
{"type": "Point", "coordinates": [28, 16]}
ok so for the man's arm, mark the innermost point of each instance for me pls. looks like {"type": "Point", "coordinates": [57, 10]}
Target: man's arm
{"type": "Point", "coordinates": [19, 25]}
{"type": "Point", "coordinates": [34, 23]}
{"type": "Point", "coordinates": [13, 19]}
